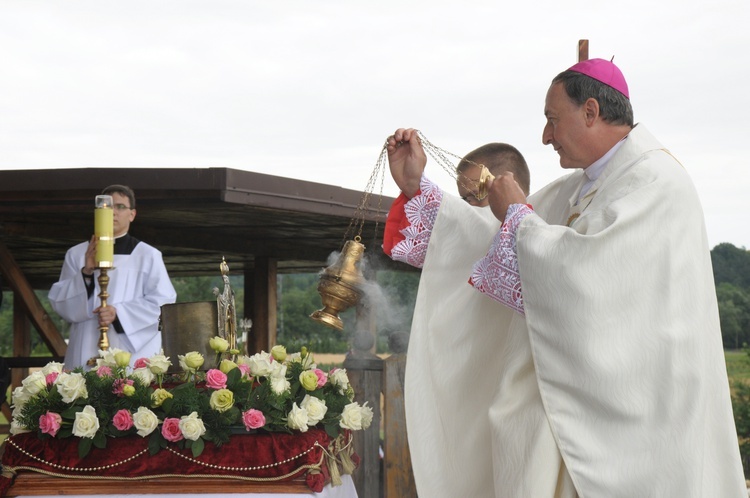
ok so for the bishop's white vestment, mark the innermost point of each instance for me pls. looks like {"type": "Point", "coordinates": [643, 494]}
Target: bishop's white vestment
{"type": "Point", "coordinates": [610, 381]}
{"type": "Point", "coordinates": [139, 285]}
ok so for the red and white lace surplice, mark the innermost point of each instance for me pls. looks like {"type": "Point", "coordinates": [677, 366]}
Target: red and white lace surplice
{"type": "Point", "coordinates": [407, 235]}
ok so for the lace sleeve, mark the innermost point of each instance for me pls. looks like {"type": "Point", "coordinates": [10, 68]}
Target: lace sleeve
{"type": "Point", "coordinates": [497, 274]}
{"type": "Point", "coordinates": [420, 212]}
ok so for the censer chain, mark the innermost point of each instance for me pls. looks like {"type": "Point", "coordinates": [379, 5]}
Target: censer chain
{"type": "Point", "coordinates": [440, 156]}
{"type": "Point", "coordinates": [358, 220]}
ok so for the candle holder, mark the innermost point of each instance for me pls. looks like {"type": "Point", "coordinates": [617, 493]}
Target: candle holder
{"type": "Point", "coordinates": [105, 244]}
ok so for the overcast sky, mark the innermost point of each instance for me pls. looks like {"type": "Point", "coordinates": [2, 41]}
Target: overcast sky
{"type": "Point", "coordinates": [310, 89]}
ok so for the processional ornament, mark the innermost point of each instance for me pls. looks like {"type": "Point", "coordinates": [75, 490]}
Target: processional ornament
{"type": "Point", "coordinates": [225, 305]}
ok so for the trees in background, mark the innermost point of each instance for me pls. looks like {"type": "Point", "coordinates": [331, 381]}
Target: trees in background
{"type": "Point", "coordinates": [392, 297]}
{"type": "Point", "coordinates": [732, 275]}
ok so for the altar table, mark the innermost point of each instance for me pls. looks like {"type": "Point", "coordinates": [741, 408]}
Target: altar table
{"type": "Point", "coordinates": [259, 465]}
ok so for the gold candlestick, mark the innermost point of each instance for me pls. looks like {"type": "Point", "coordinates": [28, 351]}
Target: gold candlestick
{"type": "Point", "coordinates": [103, 295]}
{"type": "Point", "coordinates": [104, 232]}
{"type": "Point", "coordinates": [103, 329]}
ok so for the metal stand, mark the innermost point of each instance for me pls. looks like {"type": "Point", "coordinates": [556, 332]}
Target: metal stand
{"type": "Point", "coordinates": [103, 329]}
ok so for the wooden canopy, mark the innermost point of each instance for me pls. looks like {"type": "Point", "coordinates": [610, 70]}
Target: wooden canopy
{"type": "Point", "coordinates": [259, 223]}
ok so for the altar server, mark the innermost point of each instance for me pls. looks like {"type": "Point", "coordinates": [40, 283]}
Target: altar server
{"type": "Point", "coordinates": [593, 313]}
{"type": "Point", "coordinates": [139, 285]}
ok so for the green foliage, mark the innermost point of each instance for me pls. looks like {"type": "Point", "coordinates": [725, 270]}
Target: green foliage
{"type": "Point", "coordinates": [393, 295]}
{"type": "Point", "coordinates": [741, 408]}
{"type": "Point", "coordinates": [734, 312]}
{"type": "Point", "coordinates": [731, 265]}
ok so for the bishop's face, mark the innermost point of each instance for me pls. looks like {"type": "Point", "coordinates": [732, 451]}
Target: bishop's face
{"type": "Point", "coordinates": [566, 129]}
{"type": "Point", "coordinates": [124, 214]}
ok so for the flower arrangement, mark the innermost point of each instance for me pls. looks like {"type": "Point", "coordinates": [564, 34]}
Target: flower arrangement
{"type": "Point", "coordinates": [275, 392]}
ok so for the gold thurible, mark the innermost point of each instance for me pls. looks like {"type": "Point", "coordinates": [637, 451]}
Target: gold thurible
{"type": "Point", "coordinates": [340, 285]}
{"type": "Point", "coordinates": [485, 178]}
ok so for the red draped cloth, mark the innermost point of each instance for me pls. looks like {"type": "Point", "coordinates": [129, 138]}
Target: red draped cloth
{"type": "Point", "coordinates": [262, 456]}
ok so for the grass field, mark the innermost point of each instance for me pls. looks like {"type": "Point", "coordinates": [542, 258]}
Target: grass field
{"type": "Point", "coordinates": [738, 365]}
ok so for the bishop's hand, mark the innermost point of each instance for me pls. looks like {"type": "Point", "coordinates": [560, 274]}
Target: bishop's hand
{"type": "Point", "coordinates": [406, 159]}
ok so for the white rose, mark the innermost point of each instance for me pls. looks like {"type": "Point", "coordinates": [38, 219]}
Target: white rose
{"type": "Point", "coordinates": [279, 382]}
{"type": "Point", "coordinates": [366, 416]}
{"type": "Point", "coordinates": [339, 378]}
{"type": "Point", "coordinates": [260, 364]}
{"type": "Point", "coordinates": [144, 374]}
{"type": "Point", "coordinates": [17, 428]}
{"type": "Point", "coordinates": [107, 358]}
{"type": "Point", "coordinates": [297, 418]}
{"type": "Point", "coordinates": [279, 385]}
{"type": "Point", "coordinates": [20, 398]}
{"type": "Point", "coordinates": [72, 386]}
{"type": "Point", "coordinates": [35, 383]}
{"type": "Point", "coordinates": [351, 417]}
{"type": "Point", "coordinates": [293, 358]}
{"type": "Point", "coordinates": [52, 367]}
{"type": "Point", "coordinates": [159, 363]}
{"type": "Point", "coordinates": [145, 421]}
{"type": "Point", "coordinates": [86, 423]}
{"type": "Point", "coordinates": [316, 409]}
{"type": "Point", "coordinates": [192, 427]}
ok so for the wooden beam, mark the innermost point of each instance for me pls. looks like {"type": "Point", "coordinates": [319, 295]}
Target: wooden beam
{"type": "Point", "coordinates": [21, 340]}
{"type": "Point", "coordinates": [26, 302]}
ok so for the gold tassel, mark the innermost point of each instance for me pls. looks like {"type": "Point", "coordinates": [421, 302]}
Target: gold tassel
{"type": "Point", "coordinates": [333, 469]}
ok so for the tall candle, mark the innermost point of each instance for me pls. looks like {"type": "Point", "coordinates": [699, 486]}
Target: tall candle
{"type": "Point", "coordinates": [104, 231]}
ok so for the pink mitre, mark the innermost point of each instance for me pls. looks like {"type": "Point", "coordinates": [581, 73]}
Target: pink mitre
{"type": "Point", "coordinates": [604, 71]}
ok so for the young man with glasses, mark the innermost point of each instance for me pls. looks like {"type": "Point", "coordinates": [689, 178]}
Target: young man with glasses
{"type": "Point", "coordinates": [138, 286]}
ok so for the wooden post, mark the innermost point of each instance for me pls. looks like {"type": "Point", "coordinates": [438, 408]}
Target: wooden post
{"type": "Point", "coordinates": [398, 478]}
{"type": "Point", "coordinates": [260, 305]}
{"type": "Point", "coordinates": [365, 371]}
{"type": "Point", "coordinates": [583, 50]}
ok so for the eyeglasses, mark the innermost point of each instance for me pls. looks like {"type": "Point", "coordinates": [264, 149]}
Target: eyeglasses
{"type": "Point", "coordinates": [122, 207]}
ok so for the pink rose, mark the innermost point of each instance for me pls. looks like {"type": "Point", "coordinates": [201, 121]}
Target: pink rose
{"type": "Point", "coordinates": [104, 371]}
{"type": "Point", "coordinates": [253, 419]}
{"type": "Point", "coordinates": [119, 384]}
{"type": "Point", "coordinates": [140, 363]}
{"type": "Point", "coordinates": [123, 420]}
{"type": "Point", "coordinates": [170, 429]}
{"type": "Point", "coordinates": [216, 379]}
{"type": "Point", "coordinates": [50, 423]}
{"type": "Point", "coordinates": [244, 369]}
{"type": "Point", "coordinates": [51, 378]}
{"type": "Point", "coordinates": [322, 377]}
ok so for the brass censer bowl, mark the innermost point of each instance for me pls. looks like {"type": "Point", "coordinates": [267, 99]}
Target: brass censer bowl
{"type": "Point", "coordinates": [341, 285]}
